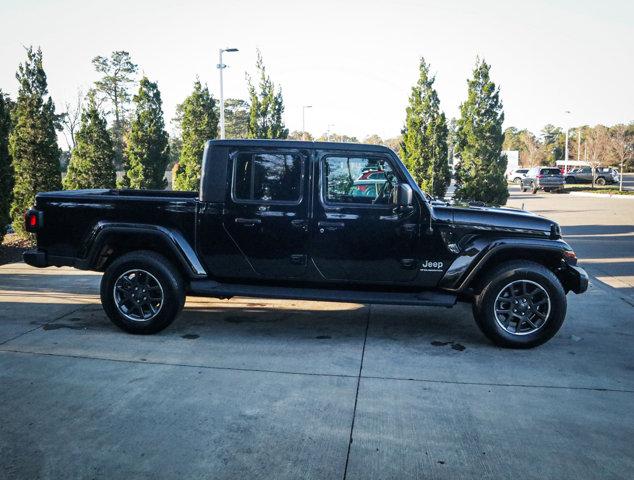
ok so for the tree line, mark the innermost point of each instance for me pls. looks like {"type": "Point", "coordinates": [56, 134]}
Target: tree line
{"type": "Point", "coordinates": [119, 124]}
{"type": "Point", "coordinates": [597, 145]}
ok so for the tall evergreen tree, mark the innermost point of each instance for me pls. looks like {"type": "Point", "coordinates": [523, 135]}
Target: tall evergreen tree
{"type": "Point", "coordinates": [266, 107]}
{"type": "Point", "coordinates": [33, 139]}
{"type": "Point", "coordinates": [237, 115]}
{"type": "Point", "coordinates": [6, 171]}
{"type": "Point", "coordinates": [147, 149]}
{"type": "Point", "coordinates": [199, 123]}
{"type": "Point", "coordinates": [424, 145]}
{"type": "Point", "coordinates": [92, 160]}
{"type": "Point", "coordinates": [479, 141]}
{"type": "Point", "coordinates": [117, 78]}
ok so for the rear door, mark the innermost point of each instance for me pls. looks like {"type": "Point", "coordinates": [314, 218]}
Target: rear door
{"type": "Point", "coordinates": [266, 211]}
{"type": "Point", "coordinates": [550, 177]}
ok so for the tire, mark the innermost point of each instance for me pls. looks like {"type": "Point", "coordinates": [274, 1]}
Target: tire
{"type": "Point", "coordinates": [571, 180]}
{"type": "Point", "coordinates": [152, 274]}
{"type": "Point", "coordinates": [511, 275]}
{"type": "Point", "coordinates": [600, 181]}
{"type": "Point", "coordinates": [547, 190]}
{"type": "Point", "coordinates": [524, 189]}
{"type": "Point", "coordinates": [533, 188]}
{"type": "Point", "coordinates": [517, 180]}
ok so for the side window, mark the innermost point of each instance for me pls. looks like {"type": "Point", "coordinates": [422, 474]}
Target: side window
{"type": "Point", "coordinates": [358, 179]}
{"type": "Point", "coordinates": [267, 177]}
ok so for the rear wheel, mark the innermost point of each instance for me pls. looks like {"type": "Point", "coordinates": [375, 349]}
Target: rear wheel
{"type": "Point", "coordinates": [522, 305]}
{"type": "Point", "coordinates": [517, 180]}
{"type": "Point", "coordinates": [570, 180]}
{"type": "Point", "coordinates": [600, 181]}
{"type": "Point", "coordinates": [142, 292]}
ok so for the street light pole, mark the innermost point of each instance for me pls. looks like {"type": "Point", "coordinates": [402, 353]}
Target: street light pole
{"type": "Point", "coordinates": [566, 149]}
{"type": "Point", "coordinates": [221, 66]}
{"type": "Point", "coordinates": [304, 120]}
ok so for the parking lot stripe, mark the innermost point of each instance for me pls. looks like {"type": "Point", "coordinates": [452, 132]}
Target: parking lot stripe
{"type": "Point", "coordinates": [356, 396]}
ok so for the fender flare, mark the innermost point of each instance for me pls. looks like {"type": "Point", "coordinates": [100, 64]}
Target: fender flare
{"type": "Point", "coordinates": [173, 239]}
{"type": "Point", "coordinates": [478, 252]}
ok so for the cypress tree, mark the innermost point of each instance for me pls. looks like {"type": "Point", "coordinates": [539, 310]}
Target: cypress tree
{"type": "Point", "coordinates": [92, 160]}
{"type": "Point", "coordinates": [33, 140]}
{"type": "Point", "coordinates": [266, 107]}
{"type": "Point", "coordinates": [199, 123]}
{"type": "Point", "coordinates": [479, 141]}
{"type": "Point", "coordinates": [6, 171]}
{"type": "Point", "coordinates": [147, 149]}
{"type": "Point", "coordinates": [424, 145]}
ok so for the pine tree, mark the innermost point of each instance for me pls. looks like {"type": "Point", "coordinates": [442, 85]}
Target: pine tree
{"type": "Point", "coordinates": [147, 149]}
{"type": "Point", "coordinates": [117, 77]}
{"type": "Point", "coordinates": [92, 160]}
{"type": "Point", "coordinates": [424, 145]}
{"type": "Point", "coordinates": [266, 107]}
{"type": "Point", "coordinates": [33, 140]}
{"type": "Point", "coordinates": [6, 171]}
{"type": "Point", "coordinates": [199, 123]}
{"type": "Point", "coordinates": [479, 141]}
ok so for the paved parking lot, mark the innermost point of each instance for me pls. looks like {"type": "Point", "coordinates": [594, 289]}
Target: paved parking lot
{"type": "Point", "coordinates": [248, 388]}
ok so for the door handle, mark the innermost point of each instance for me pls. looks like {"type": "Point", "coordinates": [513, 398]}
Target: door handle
{"type": "Point", "coordinates": [330, 226]}
{"type": "Point", "coordinates": [302, 224]}
{"type": "Point", "coordinates": [248, 222]}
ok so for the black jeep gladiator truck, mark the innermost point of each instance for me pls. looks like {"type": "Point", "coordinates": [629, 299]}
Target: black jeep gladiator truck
{"type": "Point", "coordinates": [314, 221]}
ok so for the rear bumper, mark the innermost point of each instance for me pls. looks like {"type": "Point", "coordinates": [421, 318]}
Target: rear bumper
{"type": "Point", "coordinates": [575, 279]}
{"type": "Point", "coordinates": [35, 258]}
{"type": "Point", "coordinates": [39, 258]}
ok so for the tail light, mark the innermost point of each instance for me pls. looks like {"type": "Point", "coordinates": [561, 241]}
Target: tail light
{"type": "Point", "coordinates": [33, 220]}
{"type": "Point", "coordinates": [539, 176]}
{"type": "Point", "coordinates": [570, 257]}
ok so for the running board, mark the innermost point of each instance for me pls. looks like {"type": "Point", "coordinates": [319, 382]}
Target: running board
{"type": "Point", "coordinates": [209, 288]}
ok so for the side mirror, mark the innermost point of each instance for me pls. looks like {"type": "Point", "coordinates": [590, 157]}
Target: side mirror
{"type": "Point", "coordinates": [404, 195]}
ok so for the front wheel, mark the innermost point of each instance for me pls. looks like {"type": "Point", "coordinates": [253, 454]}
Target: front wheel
{"type": "Point", "coordinates": [142, 292]}
{"type": "Point", "coordinates": [600, 181]}
{"type": "Point", "coordinates": [522, 305]}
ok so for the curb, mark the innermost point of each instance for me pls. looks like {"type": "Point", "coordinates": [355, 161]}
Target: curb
{"type": "Point", "coordinates": [601, 195]}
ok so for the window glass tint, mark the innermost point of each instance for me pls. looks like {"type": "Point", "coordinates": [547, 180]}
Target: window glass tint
{"type": "Point", "coordinates": [357, 179]}
{"type": "Point", "coordinates": [268, 177]}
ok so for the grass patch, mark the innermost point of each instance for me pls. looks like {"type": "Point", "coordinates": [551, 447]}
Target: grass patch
{"type": "Point", "coordinates": [611, 190]}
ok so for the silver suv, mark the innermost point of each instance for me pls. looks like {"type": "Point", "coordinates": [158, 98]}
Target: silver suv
{"type": "Point", "coordinates": [548, 179]}
{"type": "Point", "coordinates": [603, 175]}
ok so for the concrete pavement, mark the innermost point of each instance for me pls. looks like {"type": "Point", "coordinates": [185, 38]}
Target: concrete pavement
{"type": "Point", "coordinates": [246, 388]}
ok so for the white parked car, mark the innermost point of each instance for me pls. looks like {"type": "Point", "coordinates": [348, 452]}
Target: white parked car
{"type": "Point", "coordinates": [516, 175]}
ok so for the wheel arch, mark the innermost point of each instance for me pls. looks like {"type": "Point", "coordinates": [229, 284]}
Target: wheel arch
{"type": "Point", "coordinates": [109, 241]}
{"type": "Point", "coordinates": [468, 270]}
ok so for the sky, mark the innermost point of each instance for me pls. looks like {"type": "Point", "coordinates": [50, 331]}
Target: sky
{"type": "Point", "coordinates": [353, 61]}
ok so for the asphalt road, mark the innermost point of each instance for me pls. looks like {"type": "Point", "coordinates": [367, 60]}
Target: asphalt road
{"type": "Point", "coordinates": [253, 389]}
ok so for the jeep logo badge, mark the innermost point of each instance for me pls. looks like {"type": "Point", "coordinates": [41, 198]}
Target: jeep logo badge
{"type": "Point", "coordinates": [429, 266]}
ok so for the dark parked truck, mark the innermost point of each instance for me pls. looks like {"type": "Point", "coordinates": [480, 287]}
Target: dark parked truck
{"type": "Point", "coordinates": [313, 221]}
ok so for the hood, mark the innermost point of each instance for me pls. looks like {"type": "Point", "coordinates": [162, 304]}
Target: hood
{"type": "Point", "coordinates": [503, 219]}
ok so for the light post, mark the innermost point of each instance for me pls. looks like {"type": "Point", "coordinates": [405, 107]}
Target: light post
{"type": "Point", "coordinates": [221, 66]}
{"type": "Point", "coordinates": [566, 149]}
{"type": "Point", "coordinates": [304, 120]}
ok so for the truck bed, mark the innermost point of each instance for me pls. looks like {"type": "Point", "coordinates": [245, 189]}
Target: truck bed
{"type": "Point", "coordinates": [72, 217]}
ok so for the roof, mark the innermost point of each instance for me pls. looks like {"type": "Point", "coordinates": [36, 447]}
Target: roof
{"type": "Point", "coordinates": [301, 144]}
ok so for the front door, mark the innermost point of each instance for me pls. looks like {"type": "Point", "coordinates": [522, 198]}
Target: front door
{"type": "Point", "coordinates": [266, 215]}
{"type": "Point", "coordinates": [357, 234]}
